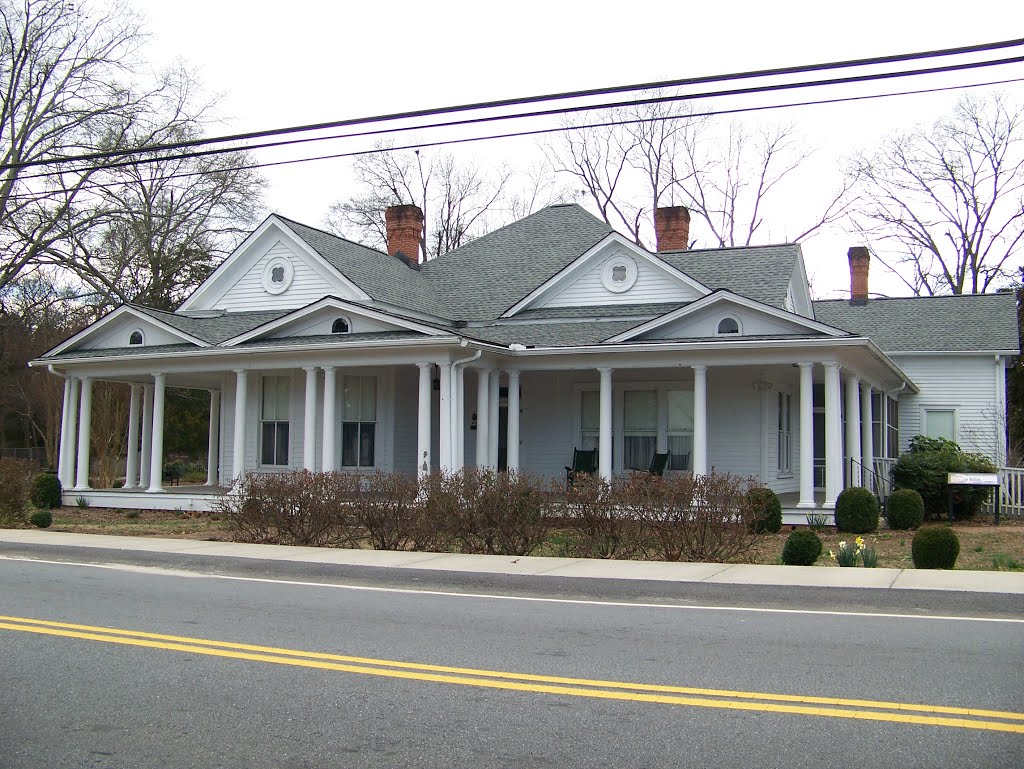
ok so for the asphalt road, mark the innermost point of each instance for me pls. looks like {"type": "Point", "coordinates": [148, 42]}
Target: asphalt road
{"type": "Point", "coordinates": [387, 669]}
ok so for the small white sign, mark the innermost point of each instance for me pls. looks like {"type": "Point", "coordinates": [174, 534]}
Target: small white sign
{"type": "Point", "coordinates": [973, 479]}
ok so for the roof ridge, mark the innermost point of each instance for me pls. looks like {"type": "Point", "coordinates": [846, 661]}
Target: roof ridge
{"type": "Point", "coordinates": [874, 299]}
{"type": "Point", "coordinates": [330, 234]}
{"type": "Point", "coordinates": [719, 249]}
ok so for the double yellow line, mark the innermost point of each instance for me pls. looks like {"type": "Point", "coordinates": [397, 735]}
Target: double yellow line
{"type": "Point", "coordinates": [761, 702]}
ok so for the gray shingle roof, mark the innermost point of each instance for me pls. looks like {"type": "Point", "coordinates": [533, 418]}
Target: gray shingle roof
{"type": "Point", "coordinates": [761, 273]}
{"type": "Point", "coordinates": [216, 329]}
{"type": "Point", "coordinates": [969, 322]}
{"type": "Point", "coordinates": [600, 311]}
{"type": "Point", "coordinates": [567, 334]}
{"type": "Point", "coordinates": [483, 278]}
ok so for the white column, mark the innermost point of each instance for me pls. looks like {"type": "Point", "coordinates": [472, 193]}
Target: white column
{"type": "Point", "coordinates": [662, 423]}
{"type": "Point", "coordinates": [213, 444]}
{"type": "Point", "coordinates": [62, 448]}
{"type": "Point", "coordinates": [147, 433]}
{"type": "Point", "coordinates": [867, 451]}
{"type": "Point", "coordinates": [329, 461]}
{"type": "Point", "coordinates": [483, 414]}
{"type": "Point", "coordinates": [493, 419]}
{"type": "Point", "coordinates": [512, 434]}
{"type": "Point", "coordinates": [423, 420]}
{"type": "Point", "coordinates": [241, 406]}
{"type": "Point", "coordinates": [69, 461]}
{"type": "Point", "coordinates": [445, 426]}
{"type": "Point", "coordinates": [853, 430]}
{"type": "Point", "coordinates": [156, 466]}
{"type": "Point", "coordinates": [460, 418]}
{"type": "Point", "coordinates": [700, 420]}
{"type": "Point", "coordinates": [131, 468]}
{"type": "Point", "coordinates": [833, 435]}
{"type": "Point", "coordinates": [806, 435]}
{"type": "Point", "coordinates": [84, 424]}
{"type": "Point", "coordinates": [604, 444]}
{"type": "Point", "coordinates": [309, 422]}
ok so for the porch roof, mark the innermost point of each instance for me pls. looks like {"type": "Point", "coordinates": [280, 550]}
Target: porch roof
{"type": "Point", "coordinates": [214, 329]}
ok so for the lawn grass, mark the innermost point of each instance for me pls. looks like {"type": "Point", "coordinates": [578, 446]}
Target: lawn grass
{"type": "Point", "coordinates": [982, 546]}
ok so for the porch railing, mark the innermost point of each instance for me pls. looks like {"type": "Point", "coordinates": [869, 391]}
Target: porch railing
{"type": "Point", "coordinates": [1011, 489]}
{"type": "Point", "coordinates": [877, 479]}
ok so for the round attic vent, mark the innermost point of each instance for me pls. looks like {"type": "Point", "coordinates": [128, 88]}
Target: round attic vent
{"type": "Point", "coordinates": [277, 275]}
{"type": "Point", "coordinates": [619, 274]}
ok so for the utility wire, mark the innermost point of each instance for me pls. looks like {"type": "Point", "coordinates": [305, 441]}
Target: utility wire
{"type": "Point", "coordinates": [520, 101]}
{"type": "Point", "coordinates": [553, 112]}
{"type": "Point", "coordinates": [543, 131]}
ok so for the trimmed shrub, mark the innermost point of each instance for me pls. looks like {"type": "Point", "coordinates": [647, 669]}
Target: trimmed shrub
{"type": "Point", "coordinates": [856, 511]}
{"type": "Point", "coordinates": [802, 548]}
{"type": "Point", "coordinates": [766, 510]}
{"type": "Point", "coordinates": [904, 510]}
{"type": "Point", "coordinates": [924, 468]}
{"type": "Point", "coordinates": [935, 547]}
{"type": "Point", "coordinates": [603, 522]}
{"type": "Point", "coordinates": [41, 519]}
{"type": "Point", "coordinates": [383, 504]}
{"type": "Point", "coordinates": [46, 491]}
{"type": "Point", "coordinates": [15, 487]}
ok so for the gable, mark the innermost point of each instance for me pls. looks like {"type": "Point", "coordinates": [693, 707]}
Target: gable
{"type": "Point", "coordinates": [114, 331]}
{"type": "Point", "coordinates": [271, 269]}
{"type": "Point", "coordinates": [614, 272]}
{"type": "Point", "coordinates": [318, 319]}
{"type": "Point", "coordinates": [701, 320]}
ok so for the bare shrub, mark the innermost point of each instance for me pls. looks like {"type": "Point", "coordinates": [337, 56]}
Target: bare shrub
{"type": "Point", "coordinates": [602, 525]}
{"type": "Point", "coordinates": [663, 506]}
{"type": "Point", "coordinates": [385, 506]}
{"type": "Point", "coordinates": [299, 508]}
{"type": "Point", "coordinates": [16, 476]}
{"type": "Point", "coordinates": [719, 526]}
{"type": "Point", "coordinates": [510, 514]}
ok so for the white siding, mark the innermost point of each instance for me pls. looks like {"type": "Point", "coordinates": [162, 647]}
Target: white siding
{"type": "Point", "coordinates": [705, 324]}
{"type": "Point", "coordinates": [734, 422]}
{"type": "Point", "coordinates": [406, 411]}
{"type": "Point", "coordinates": [307, 285]}
{"type": "Point", "coordinates": [651, 286]}
{"type": "Point", "coordinates": [968, 384]}
{"type": "Point", "coordinates": [116, 334]}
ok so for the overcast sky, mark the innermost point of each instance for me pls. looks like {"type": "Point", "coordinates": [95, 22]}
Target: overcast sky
{"type": "Point", "coordinates": [305, 61]}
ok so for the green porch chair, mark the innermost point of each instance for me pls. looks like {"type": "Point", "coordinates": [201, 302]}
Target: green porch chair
{"type": "Point", "coordinates": [583, 461]}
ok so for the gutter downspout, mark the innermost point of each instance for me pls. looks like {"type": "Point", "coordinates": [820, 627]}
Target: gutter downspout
{"type": "Point", "coordinates": [457, 403]}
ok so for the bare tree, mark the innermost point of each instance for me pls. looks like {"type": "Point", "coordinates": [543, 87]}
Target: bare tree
{"type": "Point", "coordinates": [946, 202]}
{"type": "Point", "coordinates": [63, 72]}
{"type": "Point", "coordinates": [632, 161]}
{"type": "Point", "coordinates": [458, 200]}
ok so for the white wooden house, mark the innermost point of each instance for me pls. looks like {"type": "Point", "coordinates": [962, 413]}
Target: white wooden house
{"type": "Point", "coordinates": [552, 333]}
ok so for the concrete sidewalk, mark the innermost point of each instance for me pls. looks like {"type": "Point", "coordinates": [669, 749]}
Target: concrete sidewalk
{"type": "Point", "coordinates": [713, 573]}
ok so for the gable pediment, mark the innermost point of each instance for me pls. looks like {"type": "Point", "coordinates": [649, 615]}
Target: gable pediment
{"type": "Point", "coordinates": [727, 316]}
{"type": "Point", "coordinates": [124, 327]}
{"type": "Point", "coordinates": [272, 268]}
{"type": "Point", "coordinates": [614, 272]}
{"type": "Point", "coordinates": [332, 316]}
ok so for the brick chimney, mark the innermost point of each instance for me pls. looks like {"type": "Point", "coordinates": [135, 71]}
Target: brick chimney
{"type": "Point", "coordinates": [404, 226]}
{"type": "Point", "coordinates": [672, 228]}
{"type": "Point", "coordinates": [859, 258]}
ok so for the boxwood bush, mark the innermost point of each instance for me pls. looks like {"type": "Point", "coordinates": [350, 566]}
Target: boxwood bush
{"type": "Point", "coordinates": [41, 519]}
{"type": "Point", "coordinates": [802, 548]}
{"type": "Point", "coordinates": [766, 510]}
{"type": "Point", "coordinates": [935, 547]}
{"type": "Point", "coordinates": [46, 491]}
{"type": "Point", "coordinates": [904, 510]}
{"type": "Point", "coordinates": [856, 511]}
{"type": "Point", "coordinates": [924, 468]}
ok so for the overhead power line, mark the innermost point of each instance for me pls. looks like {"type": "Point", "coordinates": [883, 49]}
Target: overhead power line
{"type": "Point", "coordinates": [771, 88]}
{"type": "Point", "coordinates": [526, 100]}
{"type": "Point", "coordinates": [541, 132]}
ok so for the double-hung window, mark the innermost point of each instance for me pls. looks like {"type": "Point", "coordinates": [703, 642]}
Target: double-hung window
{"type": "Point", "coordinates": [640, 428]}
{"type": "Point", "coordinates": [785, 434]}
{"type": "Point", "coordinates": [359, 421]}
{"type": "Point", "coordinates": [680, 429]}
{"type": "Point", "coordinates": [274, 424]}
{"type": "Point", "coordinates": [590, 419]}
{"type": "Point", "coordinates": [940, 423]}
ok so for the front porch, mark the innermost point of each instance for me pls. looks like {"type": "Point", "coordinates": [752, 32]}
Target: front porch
{"type": "Point", "coordinates": [198, 499]}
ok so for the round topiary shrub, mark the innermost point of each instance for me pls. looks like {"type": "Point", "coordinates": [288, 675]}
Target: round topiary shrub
{"type": "Point", "coordinates": [802, 548]}
{"type": "Point", "coordinates": [41, 519]}
{"type": "Point", "coordinates": [935, 547]}
{"type": "Point", "coordinates": [766, 510]}
{"type": "Point", "coordinates": [856, 511]}
{"type": "Point", "coordinates": [904, 510]}
{"type": "Point", "coordinates": [46, 491]}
